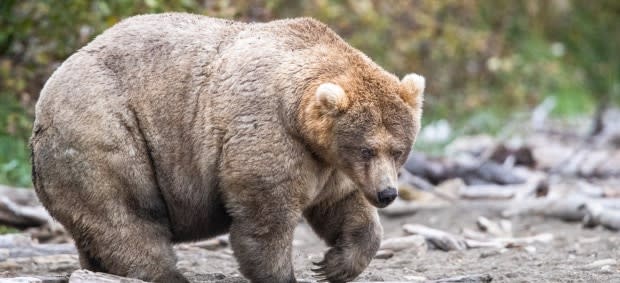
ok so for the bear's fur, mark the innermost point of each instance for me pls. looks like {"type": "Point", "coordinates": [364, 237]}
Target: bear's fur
{"type": "Point", "coordinates": [177, 127]}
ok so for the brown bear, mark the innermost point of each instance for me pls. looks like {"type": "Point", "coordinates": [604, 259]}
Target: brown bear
{"type": "Point", "coordinates": [176, 127]}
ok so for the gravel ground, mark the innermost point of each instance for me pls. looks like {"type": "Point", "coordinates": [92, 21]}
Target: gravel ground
{"type": "Point", "coordinates": [562, 260]}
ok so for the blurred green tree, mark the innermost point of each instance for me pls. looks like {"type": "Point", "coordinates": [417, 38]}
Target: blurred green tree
{"type": "Point", "coordinates": [482, 59]}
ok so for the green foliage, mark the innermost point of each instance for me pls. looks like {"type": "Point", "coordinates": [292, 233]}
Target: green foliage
{"type": "Point", "coordinates": [7, 230]}
{"type": "Point", "coordinates": [482, 59]}
{"type": "Point", "coordinates": [15, 127]}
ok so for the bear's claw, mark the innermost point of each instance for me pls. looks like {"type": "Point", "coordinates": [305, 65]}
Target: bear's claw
{"type": "Point", "coordinates": [333, 268]}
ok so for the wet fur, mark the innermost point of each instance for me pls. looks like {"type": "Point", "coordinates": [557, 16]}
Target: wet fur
{"type": "Point", "coordinates": [176, 127]}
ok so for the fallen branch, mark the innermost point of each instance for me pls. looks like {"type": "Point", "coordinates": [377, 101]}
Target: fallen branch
{"type": "Point", "coordinates": [15, 240]}
{"type": "Point", "coordinates": [37, 264]}
{"type": "Point", "coordinates": [475, 278]}
{"type": "Point", "coordinates": [85, 276]}
{"type": "Point", "coordinates": [37, 250]}
{"type": "Point", "coordinates": [501, 229]}
{"type": "Point", "coordinates": [21, 196]}
{"type": "Point", "coordinates": [403, 208]}
{"type": "Point", "coordinates": [440, 239]}
{"type": "Point", "coordinates": [595, 214]}
{"type": "Point", "coordinates": [20, 208]}
{"type": "Point", "coordinates": [421, 184]}
{"type": "Point", "coordinates": [490, 191]}
{"type": "Point", "coordinates": [437, 170]}
{"type": "Point", "coordinates": [416, 243]}
{"type": "Point", "coordinates": [21, 245]}
{"type": "Point", "coordinates": [384, 254]}
{"type": "Point", "coordinates": [446, 241]}
{"type": "Point", "coordinates": [568, 209]}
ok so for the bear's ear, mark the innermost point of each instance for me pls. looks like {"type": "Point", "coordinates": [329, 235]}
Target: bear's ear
{"type": "Point", "coordinates": [414, 84]}
{"type": "Point", "coordinates": [331, 98]}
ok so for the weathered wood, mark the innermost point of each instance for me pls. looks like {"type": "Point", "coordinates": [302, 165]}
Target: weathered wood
{"type": "Point", "coordinates": [522, 155]}
{"type": "Point", "coordinates": [495, 173]}
{"type": "Point", "coordinates": [415, 243]}
{"type": "Point", "coordinates": [474, 278]}
{"type": "Point", "coordinates": [479, 171]}
{"type": "Point", "coordinates": [38, 264]}
{"type": "Point", "coordinates": [476, 244]}
{"type": "Point", "coordinates": [21, 196]}
{"type": "Point", "coordinates": [486, 191]}
{"type": "Point", "coordinates": [420, 165]}
{"type": "Point", "coordinates": [564, 208]}
{"type": "Point", "coordinates": [20, 208]}
{"type": "Point", "coordinates": [522, 241]}
{"type": "Point", "coordinates": [493, 191]}
{"type": "Point", "coordinates": [22, 245]}
{"type": "Point", "coordinates": [86, 276]}
{"type": "Point", "coordinates": [414, 181]}
{"type": "Point", "coordinates": [210, 244]}
{"type": "Point", "coordinates": [499, 229]}
{"type": "Point", "coordinates": [440, 239]}
{"type": "Point", "coordinates": [447, 241]}
{"type": "Point", "coordinates": [595, 214]}
{"type": "Point", "coordinates": [35, 279]}
{"type": "Point", "coordinates": [21, 216]}
{"type": "Point", "coordinates": [21, 280]}
{"type": "Point", "coordinates": [37, 250]}
{"type": "Point", "coordinates": [384, 254]}
{"type": "Point", "coordinates": [402, 208]}
{"type": "Point", "coordinates": [567, 208]}
{"type": "Point", "coordinates": [52, 233]}
{"type": "Point", "coordinates": [15, 240]}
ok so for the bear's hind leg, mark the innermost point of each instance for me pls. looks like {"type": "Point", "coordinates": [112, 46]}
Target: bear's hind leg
{"type": "Point", "coordinates": [105, 194]}
{"type": "Point", "coordinates": [139, 250]}
{"type": "Point", "coordinates": [351, 228]}
{"type": "Point", "coordinates": [89, 262]}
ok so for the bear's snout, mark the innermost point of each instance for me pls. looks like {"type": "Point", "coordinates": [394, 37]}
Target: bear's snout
{"type": "Point", "coordinates": [387, 196]}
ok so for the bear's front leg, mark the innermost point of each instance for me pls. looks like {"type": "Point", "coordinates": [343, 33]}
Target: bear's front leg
{"type": "Point", "coordinates": [261, 237]}
{"type": "Point", "coordinates": [351, 228]}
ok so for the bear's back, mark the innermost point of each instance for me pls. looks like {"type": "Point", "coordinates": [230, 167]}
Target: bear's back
{"type": "Point", "coordinates": [173, 46]}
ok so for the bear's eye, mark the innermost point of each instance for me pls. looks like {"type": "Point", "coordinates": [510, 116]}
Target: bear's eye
{"type": "Point", "coordinates": [397, 153]}
{"type": "Point", "coordinates": [367, 153]}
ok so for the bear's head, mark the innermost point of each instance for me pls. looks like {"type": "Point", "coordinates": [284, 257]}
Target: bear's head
{"type": "Point", "coordinates": [366, 127]}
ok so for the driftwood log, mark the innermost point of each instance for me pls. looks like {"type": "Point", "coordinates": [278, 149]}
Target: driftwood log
{"type": "Point", "coordinates": [18, 252]}
{"type": "Point", "coordinates": [476, 278]}
{"type": "Point", "coordinates": [402, 208]}
{"type": "Point", "coordinates": [436, 170]}
{"type": "Point", "coordinates": [85, 276]}
{"type": "Point", "coordinates": [440, 239]}
{"type": "Point", "coordinates": [596, 214]}
{"type": "Point", "coordinates": [593, 211]}
{"type": "Point", "coordinates": [447, 241]}
{"type": "Point", "coordinates": [414, 243]}
{"type": "Point", "coordinates": [20, 208]}
{"type": "Point", "coordinates": [40, 264]}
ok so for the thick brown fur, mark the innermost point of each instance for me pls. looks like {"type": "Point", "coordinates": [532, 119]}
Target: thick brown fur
{"type": "Point", "coordinates": [177, 127]}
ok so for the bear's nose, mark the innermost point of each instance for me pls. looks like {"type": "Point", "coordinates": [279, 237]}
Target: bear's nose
{"type": "Point", "coordinates": [387, 196]}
